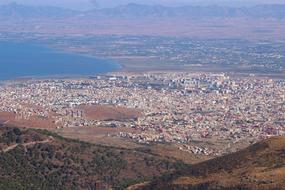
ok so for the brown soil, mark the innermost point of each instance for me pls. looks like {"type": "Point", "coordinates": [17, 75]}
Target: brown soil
{"type": "Point", "coordinates": [107, 112]}
{"type": "Point", "coordinates": [98, 135]}
{"type": "Point", "coordinates": [34, 122]}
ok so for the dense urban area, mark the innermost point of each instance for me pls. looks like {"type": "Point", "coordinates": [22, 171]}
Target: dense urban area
{"type": "Point", "coordinates": [175, 107]}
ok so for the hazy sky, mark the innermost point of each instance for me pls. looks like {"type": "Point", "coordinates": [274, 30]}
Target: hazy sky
{"type": "Point", "coordinates": [86, 4]}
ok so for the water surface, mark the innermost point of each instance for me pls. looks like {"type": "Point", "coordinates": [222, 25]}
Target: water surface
{"type": "Point", "coordinates": [19, 60]}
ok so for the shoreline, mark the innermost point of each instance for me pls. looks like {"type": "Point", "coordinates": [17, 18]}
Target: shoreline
{"type": "Point", "coordinates": [155, 69]}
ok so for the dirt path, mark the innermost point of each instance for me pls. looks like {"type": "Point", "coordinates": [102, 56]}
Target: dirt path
{"type": "Point", "coordinates": [50, 139]}
{"type": "Point", "coordinates": [10, 148]}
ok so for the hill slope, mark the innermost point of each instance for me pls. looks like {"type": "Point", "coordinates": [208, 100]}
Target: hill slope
{"type": "Point", "coordinates": [261, 166]}
{"type": "Point", "coordinates": [35, 159]}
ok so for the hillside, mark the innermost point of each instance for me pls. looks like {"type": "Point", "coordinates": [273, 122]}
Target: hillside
{"type": "Point", "coordinates": [259, 167]}
{"type": "Point", "coordinates": [37, 159]}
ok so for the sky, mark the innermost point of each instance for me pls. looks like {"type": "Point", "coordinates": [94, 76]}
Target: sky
{"type": "Point", "coordinates": [89, 4]}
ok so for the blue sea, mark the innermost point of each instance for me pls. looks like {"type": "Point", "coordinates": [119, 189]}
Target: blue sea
{"type": "Point", "coordinates": [20, 60]}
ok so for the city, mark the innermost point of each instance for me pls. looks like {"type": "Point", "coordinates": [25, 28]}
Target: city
{"type": "Point", "coordinates": [171, 107]}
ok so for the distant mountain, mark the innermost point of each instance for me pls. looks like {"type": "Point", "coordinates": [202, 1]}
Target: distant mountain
{"type": "Point", "coordinates": [14, 10]}
{"type": "Point", "coordinates": [141, 11]}
{"type": "Point", "coordinates": [35, 159]}
{"type": "Point", "coordinates": [261, 166]}
{"type": "Point", "coordinates": [262, 22]}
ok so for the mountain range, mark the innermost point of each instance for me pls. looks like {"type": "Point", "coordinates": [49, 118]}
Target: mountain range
{"type": "Point", "coordinates": [14, 10]}
{"type": "Point", "coordinates": [141, 11]}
